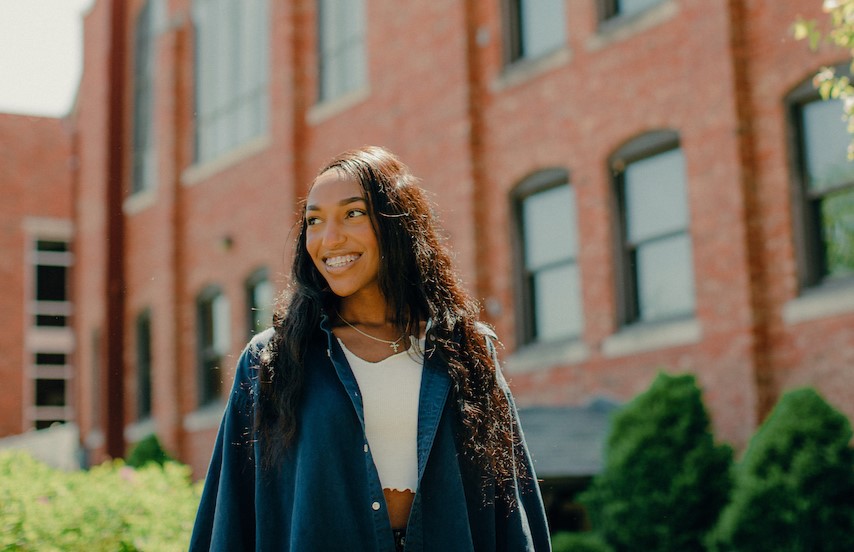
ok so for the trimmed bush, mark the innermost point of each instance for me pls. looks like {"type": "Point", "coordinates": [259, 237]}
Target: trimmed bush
{"type": "Point", "coordinates": [795, 485]}
{"type": "Point", "coordinates": [664, 481]}
{"type": "Point", "coordinates": [111, 507]}
{"type": "Point", "coordinates": [147, 450]}
{"type": "Point", "coordinates": [566, 541]}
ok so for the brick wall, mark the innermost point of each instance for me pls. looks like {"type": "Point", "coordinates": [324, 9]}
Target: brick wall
{"type": "Point", "coordinates": [35, 175]}
{"type": "Point", "coordinates": [439, 95]}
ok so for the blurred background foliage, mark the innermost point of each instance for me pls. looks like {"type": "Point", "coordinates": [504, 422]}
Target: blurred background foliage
{"type": "Point", "coordinates": [110, 507]}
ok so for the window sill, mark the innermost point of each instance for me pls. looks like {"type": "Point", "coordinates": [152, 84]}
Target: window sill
{"type": "Point", "coordinates": [139, 201]}
{"type": "Point", "coordinates": [620, 28]}
{"type": "Point", "coordinates": [206, 417]}
{"type": "Point", "coordinates": [327, 109]}
{"type": "Point", "coordinates": [540, 356]}
{"type": "Point", "coordinates": [821, 302]}
{"type": "Point", "coordinates": [206, 169]}
{"type": "Point", "coordinates": [651, 336]}
{"type": "Point", "coordinates": [525, 70]}
{"type": "Point", "coordinates": [138, 431]}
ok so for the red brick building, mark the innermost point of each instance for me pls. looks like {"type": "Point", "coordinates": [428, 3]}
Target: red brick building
{"type": "Point", "coordinates": [628, 186]}
{"type": "Point", "coordinates": [36, 229]}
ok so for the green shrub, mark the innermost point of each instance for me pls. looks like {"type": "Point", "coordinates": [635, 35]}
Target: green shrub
{"type": "Point", "coordinates": [147, 450]}
{"type": "Point", "coordinates": [566, 541]}
{"type": "Point", "coordinates": [664, 481]}
{"type": "Point", "coordinates": [795, 485]}
{"type": "Point", "coordinates": [111, 507]}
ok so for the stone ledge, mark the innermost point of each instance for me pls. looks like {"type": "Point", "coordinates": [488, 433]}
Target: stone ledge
{"type": "Point", "coordinates": [644, 337]}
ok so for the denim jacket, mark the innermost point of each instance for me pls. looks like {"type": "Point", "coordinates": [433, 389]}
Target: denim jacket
{"type": "Point", "coordinates": [326, 494]}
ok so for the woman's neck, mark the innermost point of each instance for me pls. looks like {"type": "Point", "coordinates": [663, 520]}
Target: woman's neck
{"type": "Point", "coordinates": [368, 311]}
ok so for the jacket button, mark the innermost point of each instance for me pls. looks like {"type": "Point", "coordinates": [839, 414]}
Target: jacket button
{"type": "Point", "coordinates": [366, 447]}
{"type": "Point", "coordinates": [375, 506]}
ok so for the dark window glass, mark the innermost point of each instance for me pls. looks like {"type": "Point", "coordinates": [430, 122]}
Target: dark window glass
{"type": "Point", "coordinates": [625, 8]}
{"type": "Point", "coordinates": [551, 282]}
{"type": "Point", "coordinates": [143, 365]}
{"type": "Point", "coordinates": [51, 320]}
{"type": "Point", "coordinates": [657, 259]}
{"type": "Point", "coordinates": [342, 56]}
{"type": "Point", "coordinates": [50, 359]}
{"type": "Point", "coordinates": [535, 28]}
{"type": "Point", "coordinates": [50, 392]}
{"type": "Point", "coordinates": [52, 246]}
{"type": "Point", "coordinates": [44, 424]}
{"type": "Point", "coordinates": [51, 283]}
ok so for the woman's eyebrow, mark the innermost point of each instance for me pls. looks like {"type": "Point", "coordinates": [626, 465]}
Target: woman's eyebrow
{"type": "Point", "coordinates": [346, 201]}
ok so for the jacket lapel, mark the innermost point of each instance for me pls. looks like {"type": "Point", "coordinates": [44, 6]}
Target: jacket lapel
{"type": "Point", "coordinates": [435, 385]}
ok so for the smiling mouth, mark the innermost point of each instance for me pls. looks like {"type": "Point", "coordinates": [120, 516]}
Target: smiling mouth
{"type": "Point", "coordinates": [340, 261]}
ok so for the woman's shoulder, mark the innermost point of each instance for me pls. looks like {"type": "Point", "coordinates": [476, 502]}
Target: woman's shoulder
{"type": "Point", "coordinates": [260, 340]}
{"type": "Point", "coordinates": [485, 329]}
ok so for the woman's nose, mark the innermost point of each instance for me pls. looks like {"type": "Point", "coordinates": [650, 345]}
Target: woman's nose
{"type": "Point", "coordinates": [333, 234]}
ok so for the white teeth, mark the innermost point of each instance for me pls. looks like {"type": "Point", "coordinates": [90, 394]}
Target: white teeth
{"type": "Point", "coordinates": [341, 260]}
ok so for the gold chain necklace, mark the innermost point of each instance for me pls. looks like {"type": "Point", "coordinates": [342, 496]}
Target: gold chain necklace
{"type": "Point", "coordinates": [395, 345]}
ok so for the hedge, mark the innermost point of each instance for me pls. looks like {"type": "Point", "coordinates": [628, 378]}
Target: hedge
{"type": "Point", "coordinates": [795, 485]}
{"type": "Point", "coordinates": [111, 507]}
{"type": "Point", "coordinates": [665, 481]}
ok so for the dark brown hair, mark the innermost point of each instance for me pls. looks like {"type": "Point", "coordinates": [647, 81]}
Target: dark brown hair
{"type": "Point", "coordinates": [417, 279]}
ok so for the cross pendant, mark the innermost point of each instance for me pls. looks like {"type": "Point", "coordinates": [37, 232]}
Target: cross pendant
{"type": "Point", "coordinates": [394, 346]}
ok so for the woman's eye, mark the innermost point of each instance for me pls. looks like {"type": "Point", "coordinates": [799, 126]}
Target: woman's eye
{"type": "Point", "coordinates": [311, 221]}
{"type": "Point", "coordinates": [353, 213]}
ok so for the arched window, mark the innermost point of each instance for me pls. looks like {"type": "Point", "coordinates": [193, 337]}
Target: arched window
{"type": "Point", "coordinates": [655, 258]}
{"type": "Point", "coordinates": [823, 187]}
{"type": "Point", "coordinates": [549, 304]}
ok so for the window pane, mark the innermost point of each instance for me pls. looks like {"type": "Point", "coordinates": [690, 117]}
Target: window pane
{"type": "Point", "coordinates": [665, 278]}
{"type": "Point", "coordinates": [143, 365]}
{"type": "Point", "coordinates": [221, 324]}
{"type": "Point", "coordinates": [261, 303]}
{"type": "Point", "coordinates": [826, 145]}
{"type": "Point", "coordinates": [232, 47]}
{"type": "Point", "coordinates": [54, 246]}
{"type": "Point", "coordinates": [543, 26]}
{"type": "Point", "coordinates": [628, 7]}
{"type": "Point", "coordinates": [341, 56]}
{"type": "Point", "coordinates": [548, 227]}
{"type": "Point", "coordinates": [52, 320]}
{"type": "Point", "coordinates": [50, 392]}
{"type": "Point", "coordinates": [214, 327]}
{"type": "Point", "coordinates": [656, 201]}
{"type": "Point", "coordinates": [52, 359]}
{"type": "Point", "coordinates": [557, 303]}
{"type": "Point", "coordinates": [837, 221]}
{"type": "Point", "coordinates": [51, 283]}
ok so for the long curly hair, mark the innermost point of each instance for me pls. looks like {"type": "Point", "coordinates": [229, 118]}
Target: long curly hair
{"type": "Point", "coordinates": [417, 279]}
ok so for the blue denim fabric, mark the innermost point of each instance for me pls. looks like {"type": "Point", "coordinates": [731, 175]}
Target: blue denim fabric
{"type": "Point", "coordinates": [326, 494]}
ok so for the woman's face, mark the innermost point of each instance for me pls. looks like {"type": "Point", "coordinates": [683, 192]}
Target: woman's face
{"type": "Point", "coordinates": [340, 237]}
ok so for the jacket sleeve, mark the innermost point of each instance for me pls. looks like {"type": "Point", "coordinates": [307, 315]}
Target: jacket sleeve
{"type": "Point", "coordinates": [226, 516]}
{"type": "Point", "coordinates": [530, 531]}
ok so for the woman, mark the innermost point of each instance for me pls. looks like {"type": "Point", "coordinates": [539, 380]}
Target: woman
{"type": "Point", "coordinates": [372, 416]}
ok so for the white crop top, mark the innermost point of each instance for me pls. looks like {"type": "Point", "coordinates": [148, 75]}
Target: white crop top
{"type": "Point", "coordinates": [390, 390]}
